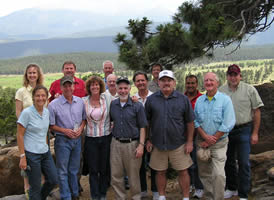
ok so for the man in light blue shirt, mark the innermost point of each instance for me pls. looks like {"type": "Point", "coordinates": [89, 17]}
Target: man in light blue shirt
{"type": "Point", "coordinates": [214, 119]}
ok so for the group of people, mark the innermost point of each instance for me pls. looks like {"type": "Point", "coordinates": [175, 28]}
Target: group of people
{"type": "Point", "coordinates": [205, 137]}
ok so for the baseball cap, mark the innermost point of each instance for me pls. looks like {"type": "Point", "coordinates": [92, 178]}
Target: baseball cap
{"type": "Point", "coordinates": [233, 69]}
{"type": "Point", "coordinates": [122, 79]}
{"type": "Point", "coordinates": [166, 73]}
{"type": "Point", "coordinates": [65, 79]}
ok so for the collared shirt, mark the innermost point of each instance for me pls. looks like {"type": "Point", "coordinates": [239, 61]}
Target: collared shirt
{"type": "Point", "coordinates": [79, 88]}
{"type": "Point", "coordinates": [193, 101]}
{"type": "Point", "coordinates": [168, 118]}
{"type": "Point", "coordinates": [141, 100]}
{"type": "Point", "coordinates": [24, 95]}
{"type": "Point", "coordinates": [115, 96]}
{"type": "Point", "coordinates": [215, 115]}
{"type": "Point", "coordinates": [65, 114]}
{"type": "Point", "coordinates": [105, 80]}
{"type": "Point", "coordinates": [153, 86]}
{"type": "Point", "coordinates": [245, 99]}
{"type": "Point", "coordinates": [35, 137]}
{"type": "Point", "coordinates": [101, 127]}
{"type": "Point", "coordinates": [127, 119]}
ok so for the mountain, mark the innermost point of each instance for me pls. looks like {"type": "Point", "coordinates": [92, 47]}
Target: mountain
{"type": "Point", "coordinates": [34, 23]}
{"type": "Point", "coordinates": [51, 46]}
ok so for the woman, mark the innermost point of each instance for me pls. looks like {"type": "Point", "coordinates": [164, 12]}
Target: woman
{"type": "Point", "coordinates": [35, 156]}
{"type": "Point", "coordinates": [33, 76]}
{"type": "Point", "coordinates": [97, 140]}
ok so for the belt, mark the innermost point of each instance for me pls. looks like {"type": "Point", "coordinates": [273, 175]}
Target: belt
{"type": "Point", "coordinates": [126, 140]}
{"type": "Point", "coordinates": [242, 125]}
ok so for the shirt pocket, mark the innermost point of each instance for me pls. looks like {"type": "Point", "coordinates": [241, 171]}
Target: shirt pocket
{"type": "Point", "coordinates": [217, 114]}
{"type": "Point", "coordinates": [201, 115]}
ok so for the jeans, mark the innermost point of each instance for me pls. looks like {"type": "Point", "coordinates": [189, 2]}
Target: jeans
{"type": "Point", "coordinates": [67, 153]}
{"type": "Point", "coordinates": [41, 163]}
{"type": "Point", "coordinates": [97, 152]}
{"type": "Point", "coordinates": [238, 174]}
{"type": "Point", "coordinates": [143, 180]}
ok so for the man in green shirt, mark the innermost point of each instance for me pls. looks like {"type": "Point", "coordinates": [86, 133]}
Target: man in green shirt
{"type": "Point", "coordinates": [246, 102]}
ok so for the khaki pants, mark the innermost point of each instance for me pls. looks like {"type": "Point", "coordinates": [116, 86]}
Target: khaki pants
{"type": "Point", "coordinates": [122, 158]}
{"type": "Point", "coordinates": [212, 173]}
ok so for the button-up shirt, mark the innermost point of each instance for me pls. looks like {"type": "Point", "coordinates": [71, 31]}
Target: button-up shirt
{"type": "Point", "coordinates": [193, 101]}
{"type": "Point", "coordinates": [245, 99]}
{"type": "Point", "coordinates": [79, 88]}
{"type": "Point", "coordinates": [215, 115]}
{"type": "Point", "coordinates": [24, 95]}
{"type": "Point", "coordinates": [141, 100]}
{"type": "Point", "coordinates": [167, 118]}
{"type": "Point", "coordinates": [127, 119]}
{"type": "Point", "coordinates": [153, 86]}
{"type": "Point", "coordinates": [65, 114]}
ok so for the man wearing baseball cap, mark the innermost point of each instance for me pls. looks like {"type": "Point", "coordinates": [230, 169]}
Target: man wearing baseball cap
{"type": "Point", "coordinates": [170, 115]}
{"type": "Point", "coordinates": [246, 102]}
{"type": "Point", "coordinates": [67, 121]}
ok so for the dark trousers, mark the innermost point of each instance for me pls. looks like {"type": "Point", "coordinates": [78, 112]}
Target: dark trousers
{"type": "Point", "coordinates": [97, 156]}
{"type": "Point", "coordinates": [193, 170]}
{"type": "Point", "coordinates": [41, 163]}
{"type": "Point", "coordinates": [238, 173]}
{"type": "Point", "coordinates": [143, 180]}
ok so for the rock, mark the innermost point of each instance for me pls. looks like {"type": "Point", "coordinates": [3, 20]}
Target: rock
{"type": "Point", "coordinates": [262, 186]}
{"type": "Point", "coordinates": [270, 173]}
{"type": "Point", "coordinates": [10, 179]}
{"type": "Point", "coordinates": [266, 133]}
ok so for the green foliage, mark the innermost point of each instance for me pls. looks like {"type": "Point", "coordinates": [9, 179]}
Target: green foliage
{"type": "Point", "coordinates": [197, 29]}
{"type": "Point", "coordinates": [7, 113]}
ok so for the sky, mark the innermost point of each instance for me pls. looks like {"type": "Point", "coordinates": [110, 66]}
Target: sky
{"type": "Point", "coordinates": [96, 6]}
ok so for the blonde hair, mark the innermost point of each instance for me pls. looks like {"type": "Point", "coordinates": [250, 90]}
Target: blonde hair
{"type": "Point", "coordinates": [40, 75]}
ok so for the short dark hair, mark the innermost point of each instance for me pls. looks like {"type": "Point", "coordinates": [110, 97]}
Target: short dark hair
{"type": "Point", "coordinates": [139, 73]}
{"type": "Point", "coordinates": [94, 79]}
{"type": "Point", "coordinates": [69, 63]}
{"type": "Point", "coordinates": [192, 76]}
{"type": "Point", "coordinates": [156, 64]}
{"type": "Point", "coordinates": [40, 87]}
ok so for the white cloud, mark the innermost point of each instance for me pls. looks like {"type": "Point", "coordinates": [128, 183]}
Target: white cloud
{"type": "Point", "coordinates": [102, 6]}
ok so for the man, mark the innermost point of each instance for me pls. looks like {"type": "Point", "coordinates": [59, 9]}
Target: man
{"type": "Point", "coordinates": [68, 69]}
{"type": "Point", "coordinates": [192, 92]}
{"type": "Point", "coordinates": [67, 121]}
{"type": "Point", "coordinates": [214, 119]}
{"type": "Point", "coordinates": [169, 114]}
{"type": "Point", "coordinates": [111, 84]}
{"type": "Point", "coordinates": [108, 69]}
{"type": "Point", "coordinates": [246, 102]}
{"type": "Point", "coordinates": [155, 70]}
{"type": "Point", "coordinates": [140, 80]}
{"type": "Point", "coordinates": [127, 144]}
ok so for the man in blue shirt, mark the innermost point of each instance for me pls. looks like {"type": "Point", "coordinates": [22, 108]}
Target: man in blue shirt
{"type": "Point", "coordinates": [67, 121]}
{"type": "Point", "coordinates": [215, 118]}
{"type": "Point", "coordinates": [170, 115]}
{"type": "Point", "coordinates": [127, 145]}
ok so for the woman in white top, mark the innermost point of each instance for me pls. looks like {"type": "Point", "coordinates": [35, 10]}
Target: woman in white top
{"type": "Point", "coordinates": [23, 98]}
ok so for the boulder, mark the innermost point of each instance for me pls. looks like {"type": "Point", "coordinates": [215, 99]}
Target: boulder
{"type": "Point", "coordinates": [10, 179]}
{"type": "Point", "coordinates": [262, 184]}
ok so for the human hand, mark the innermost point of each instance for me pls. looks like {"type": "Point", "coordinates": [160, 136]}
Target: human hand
{"type": "Point", "coordinates": [149, 146]}
{"type": "Point", "coordinates": [23, 163]}
{"type": "Point", "coordinates": [188, 147]}
{"type": "Point", "coordinates": [139, 151]}
{"type": "Point", "coordinates": [134, 99]}
{"type": "Point", "coordinates": [254, 138]}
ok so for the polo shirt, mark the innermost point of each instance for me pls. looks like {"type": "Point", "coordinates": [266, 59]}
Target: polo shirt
{"type": "Point", "coordinates": [215, 115]}
{"type": "Point", "coordinates": [193, 101]}
{"type": "Point", "coordinates": [153, 86]}
{"type": "Point", "coordinates": [245, 99]}
{"type": "Point", "coordinates": [65, 114]}
{"type": "Point", "coordinates": [127, 119]}
{"type": "Point", "coordinates": [168, 118]}
{"type": "Point", "coordinates": [24, 95]}
{"type": "Point", "coordinates": [35, 137]}
{"type": "Point", "coordinates": [141, 100]}
{"type": "Point", "coordinates": [79, 88]}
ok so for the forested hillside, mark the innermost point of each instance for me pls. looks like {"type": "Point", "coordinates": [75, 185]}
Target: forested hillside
{"type": "Point", "coordinates": [91, 61]}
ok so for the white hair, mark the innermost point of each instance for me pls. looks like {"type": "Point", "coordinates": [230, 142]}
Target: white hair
{"type": "Point", "coordinates": [108, 61]}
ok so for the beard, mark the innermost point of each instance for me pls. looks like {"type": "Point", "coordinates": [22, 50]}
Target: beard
{"type": "Point", "coordinates": [123, 97]}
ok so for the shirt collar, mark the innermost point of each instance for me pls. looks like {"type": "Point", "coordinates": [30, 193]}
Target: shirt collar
{"type": "Point", "coordinates": [129, 101]}
{"type": "Point", "coordinates": [216, 96]}
{"type": "Point", "coordinates": [64, 100]}
{"type": "Point", "coordinates": [174, 94]}
{"type": "Point", "coordinates": [29, 88]}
